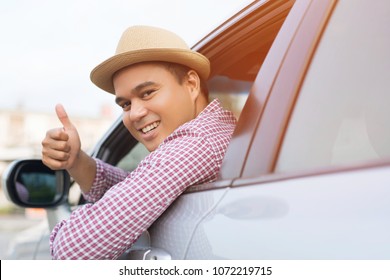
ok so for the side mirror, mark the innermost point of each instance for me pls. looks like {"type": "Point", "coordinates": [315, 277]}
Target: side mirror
{"type": "Point", "coordinates": [30, 183]}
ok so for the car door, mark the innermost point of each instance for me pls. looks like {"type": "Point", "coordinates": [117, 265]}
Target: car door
{"type": "Point", "coordinates": [307, 173]}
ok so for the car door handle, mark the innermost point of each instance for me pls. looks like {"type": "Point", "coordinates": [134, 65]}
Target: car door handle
{"type": "Point", "coordinates": [141, 250]}
{"type": "Point", "coordinates": [147, 254]}
{"type": "Point", "coordinates": [157, 254]}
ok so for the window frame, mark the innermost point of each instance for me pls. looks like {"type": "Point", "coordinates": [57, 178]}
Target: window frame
{"type": "Point", "coordinates": [336, 27]}
{"type": "Point", "coordinates": [297, 42]}
{"type": "Point", "coordinates": [264, 18]}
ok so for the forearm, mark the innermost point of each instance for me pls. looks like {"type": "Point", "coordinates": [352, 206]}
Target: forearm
{"type": "Point", "coordinates": [106, 176]}
{"type": "Point", "coordinates": [83, 171]}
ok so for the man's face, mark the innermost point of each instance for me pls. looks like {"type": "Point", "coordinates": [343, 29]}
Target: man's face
{"type": "Point", "coordinates": [154, 102]}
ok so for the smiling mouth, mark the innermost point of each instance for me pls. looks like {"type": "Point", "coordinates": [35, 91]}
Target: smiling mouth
{"type": "Point", "coordinates": [150, 127]}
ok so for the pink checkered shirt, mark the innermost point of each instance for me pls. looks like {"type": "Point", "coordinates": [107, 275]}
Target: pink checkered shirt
{"type": "Point", "coordinates": [126, 204]}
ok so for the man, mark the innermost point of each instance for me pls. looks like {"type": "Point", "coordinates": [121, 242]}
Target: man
{"type": "Point", "coordinates": [160, 84]}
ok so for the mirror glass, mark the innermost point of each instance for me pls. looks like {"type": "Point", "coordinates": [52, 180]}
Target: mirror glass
{"type": "Point", "coordinates": [37, 185]}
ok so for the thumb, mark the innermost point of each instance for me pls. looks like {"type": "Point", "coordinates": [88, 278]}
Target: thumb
{"type": "Point", "coordinates": [63, 117]}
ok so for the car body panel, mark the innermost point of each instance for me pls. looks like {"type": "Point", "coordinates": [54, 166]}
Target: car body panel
{"type": "Point", "coordinates": [303, 218]}
{"type": "Point", "coordinates": [174, 231]}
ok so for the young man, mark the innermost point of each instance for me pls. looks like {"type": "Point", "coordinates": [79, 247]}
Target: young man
{"type": "Point", "coordinates": [159, 83]}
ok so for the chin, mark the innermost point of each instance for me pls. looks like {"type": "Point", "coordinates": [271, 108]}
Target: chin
{"type": "Point", "coordinates": [151, 148]}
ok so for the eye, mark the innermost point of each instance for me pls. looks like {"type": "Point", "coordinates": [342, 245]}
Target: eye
{"type": "Point", "coordinates": [126, 106]}
{"type": "Point", "coordinates": [147, 93]}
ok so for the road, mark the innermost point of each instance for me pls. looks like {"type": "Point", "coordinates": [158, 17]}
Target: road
{"type": "Point", "coordinates": [4, 240]}
{"type": "Point", "coordinates": [10, 225]}
{"type": "Point", "coordinates": [5, 237]}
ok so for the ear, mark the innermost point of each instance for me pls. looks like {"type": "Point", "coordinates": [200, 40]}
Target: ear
{"type": "Point", "coordinates": [193, 84]}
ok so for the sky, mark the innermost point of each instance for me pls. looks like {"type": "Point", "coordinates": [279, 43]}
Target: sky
{"type": "Point", "coordinates": [49, 47]}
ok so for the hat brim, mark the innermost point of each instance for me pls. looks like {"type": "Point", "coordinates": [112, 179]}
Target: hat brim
{"type": "Point", "coordinates": [102, 74]}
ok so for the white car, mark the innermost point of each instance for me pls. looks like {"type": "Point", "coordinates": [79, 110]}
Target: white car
{"type": "Point", "coordinates": [307, 173]}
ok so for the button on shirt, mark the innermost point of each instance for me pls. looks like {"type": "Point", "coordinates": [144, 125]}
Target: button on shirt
{"type": "Point", "coordinates": [125, 204]}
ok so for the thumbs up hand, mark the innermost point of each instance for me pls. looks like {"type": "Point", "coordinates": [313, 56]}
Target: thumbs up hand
{"type": "Point", "coordinates": [61, 146]}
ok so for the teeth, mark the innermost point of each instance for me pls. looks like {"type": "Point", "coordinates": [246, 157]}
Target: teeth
{"type": "Point", "coordinates": [150, 127]}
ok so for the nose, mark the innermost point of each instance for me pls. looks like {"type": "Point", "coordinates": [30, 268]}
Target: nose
{"type": "Point", "coordinates": [137, 111]}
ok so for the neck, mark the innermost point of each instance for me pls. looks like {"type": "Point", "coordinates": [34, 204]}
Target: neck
{"type": "Point", "coordinates": [201, 104]}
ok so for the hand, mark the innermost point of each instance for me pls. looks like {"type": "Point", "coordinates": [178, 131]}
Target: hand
{"type": "Point", "coordinates": [61, 146]}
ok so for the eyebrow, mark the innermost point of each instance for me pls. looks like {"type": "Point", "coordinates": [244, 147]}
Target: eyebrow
{"type": "Point", "coordinates": [136, 90]}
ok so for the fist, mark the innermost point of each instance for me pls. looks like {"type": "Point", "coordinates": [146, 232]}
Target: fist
{"type": "Point", "coordinates": [61, 146]}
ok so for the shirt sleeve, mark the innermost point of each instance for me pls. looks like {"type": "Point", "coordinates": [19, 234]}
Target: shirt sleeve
{"type": "Point", "coordinates": [106, 177]}
{"type": "Point", "coordinates": [107, 228]}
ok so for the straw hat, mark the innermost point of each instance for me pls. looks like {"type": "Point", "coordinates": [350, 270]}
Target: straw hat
{"type": "Point", "coordinates": [146, 43]}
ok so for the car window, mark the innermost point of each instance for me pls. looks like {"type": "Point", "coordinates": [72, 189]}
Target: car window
{"type": "Point", "coordinates": [133, 158]}
{"type": "Point", "coordinates": [230, 92]}
{"type": "Point", "coordinates": [342, 113]}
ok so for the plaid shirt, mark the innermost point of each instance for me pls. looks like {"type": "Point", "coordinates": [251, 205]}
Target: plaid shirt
{"type": "Point", "coordinates": [126, 204]}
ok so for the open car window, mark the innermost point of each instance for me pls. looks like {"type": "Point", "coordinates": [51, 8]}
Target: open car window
{"type": "Point", "coordinates": [236, 56]}
{"type": "Point", "coordinates": [133, 158]}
